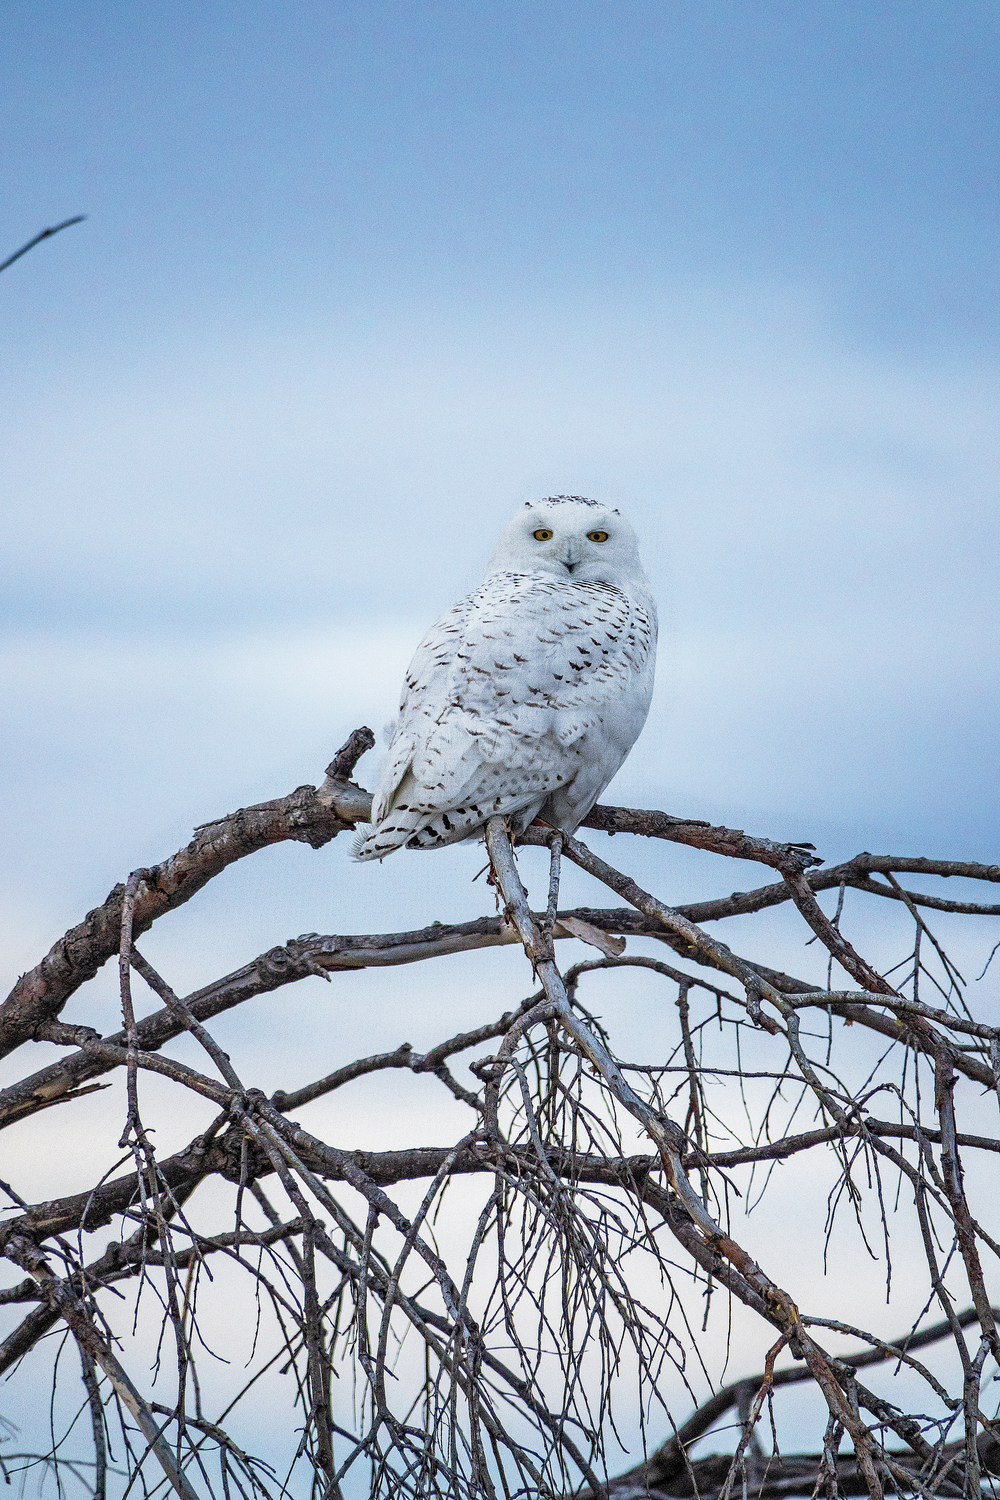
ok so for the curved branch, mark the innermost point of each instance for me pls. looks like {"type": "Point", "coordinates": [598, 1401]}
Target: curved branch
{"type": "Point", "coordinates": [46, 234]}
{"type": "Point", "coordinates": [221, 1157]}
{"type": "Point", "coordinates": [312, 816]}
{"type": "Point", "coordinates": [733, 843]}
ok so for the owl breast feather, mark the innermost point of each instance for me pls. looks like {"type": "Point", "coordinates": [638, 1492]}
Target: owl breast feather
{"type": "Point", "coordinates": [523, 699]}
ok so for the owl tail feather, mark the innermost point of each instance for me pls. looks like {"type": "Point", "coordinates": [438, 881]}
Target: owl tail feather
{"type": "Point", "coordinates": [375, 841]}
{"type": "Point", "coordinates": [411, 829]}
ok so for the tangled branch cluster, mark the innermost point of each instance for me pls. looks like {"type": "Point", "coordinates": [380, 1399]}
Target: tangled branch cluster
{"type": "Point", "coordinates": [491, 1370]}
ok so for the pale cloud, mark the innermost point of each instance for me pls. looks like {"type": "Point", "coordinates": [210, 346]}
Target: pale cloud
{"type": "Point", "coordinates": [298, 472]}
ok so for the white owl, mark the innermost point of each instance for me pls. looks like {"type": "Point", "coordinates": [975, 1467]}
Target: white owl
{"type": "Point", "coordinates": [526, 697]}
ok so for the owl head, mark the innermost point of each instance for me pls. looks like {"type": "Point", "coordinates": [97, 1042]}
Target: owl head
{"type": "Point", "coordinates": [572, 538]}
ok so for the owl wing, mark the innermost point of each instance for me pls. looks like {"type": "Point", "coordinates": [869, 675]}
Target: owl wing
{"type": "Point", "coordinates": [526, 686]}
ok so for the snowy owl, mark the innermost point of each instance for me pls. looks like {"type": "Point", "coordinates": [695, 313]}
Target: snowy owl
{"type": "Point", "coordinates": [526, 697]}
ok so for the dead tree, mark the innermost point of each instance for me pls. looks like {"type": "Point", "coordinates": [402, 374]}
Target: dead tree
{"type": "Point", "coordinates": [410, 1367]}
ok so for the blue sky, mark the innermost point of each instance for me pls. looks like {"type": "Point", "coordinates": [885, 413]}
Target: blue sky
{"type": "Point", "coordinates": [356, 280]}
{"type": "Point", "coordinates": [538, 185]}
{"type": "Point", "coordinates": [261, 157]}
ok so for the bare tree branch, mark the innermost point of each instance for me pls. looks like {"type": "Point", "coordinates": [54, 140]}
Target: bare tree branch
{"type": "Point", "coordinates": [494, 1367]}
{"type": "Point", "coordinates": [44, 235]}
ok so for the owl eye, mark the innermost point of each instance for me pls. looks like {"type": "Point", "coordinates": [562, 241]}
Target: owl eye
{"type": "Point", "coordinates": [594, 536]}
{"type": "Point", "coordinates": [541, 535]}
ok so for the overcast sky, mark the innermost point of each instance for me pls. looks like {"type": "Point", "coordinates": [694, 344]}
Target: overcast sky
{"type": "Point", "coordinates": [359, 278]}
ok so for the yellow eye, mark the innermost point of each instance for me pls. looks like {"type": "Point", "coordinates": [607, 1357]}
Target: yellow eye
{"type": "Point", "coordinates": [542, 535]}
{"type": "Point", "coordinates": [594, 536]}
